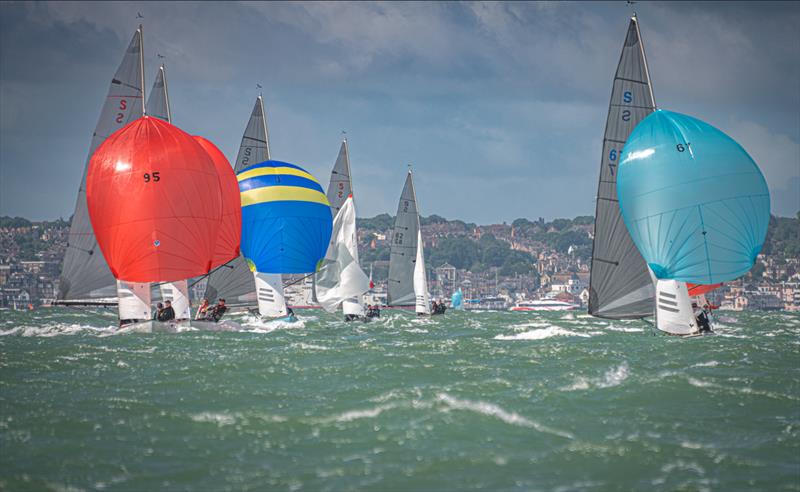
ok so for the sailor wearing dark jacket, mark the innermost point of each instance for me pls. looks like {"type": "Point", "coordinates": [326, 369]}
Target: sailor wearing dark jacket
{"type": "Point", "coordinates": [166, 314]}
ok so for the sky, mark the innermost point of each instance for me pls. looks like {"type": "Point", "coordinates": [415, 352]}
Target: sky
{"type": "Point", "coordinates": [499, 107]}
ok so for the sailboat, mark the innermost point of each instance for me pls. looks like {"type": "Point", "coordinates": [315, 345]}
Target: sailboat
{"type": "Point", "coordinates": [407, 282]}
{"type": "Point", "coordinates": [286, 226]}
{"type": "Point", "coordinates": [620, 286]}
{"type": "Point", "coordinates": [697, 207]}
{"type": "Point", "coordinates": [341, 280]}
{"type": "Point", "coordinates": [85, 275]}
{"type": "Point", "coordinates": [158, 107]}
{"type": "Point", "coordinates": [235, 282]}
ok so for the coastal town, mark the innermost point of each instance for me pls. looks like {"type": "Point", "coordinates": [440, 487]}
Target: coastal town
{"type": "Point", "coordinates": [496, 266]}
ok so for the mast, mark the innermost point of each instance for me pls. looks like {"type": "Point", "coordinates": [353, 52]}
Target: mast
{"type": "Point", "coordinates": [644, 58]}
{"type": "Point", "coordinates": [166, 92]}
{"type": "Point", "coordinates": [266, 129]}
{"type": "Point", "coordinates": [141, 67]}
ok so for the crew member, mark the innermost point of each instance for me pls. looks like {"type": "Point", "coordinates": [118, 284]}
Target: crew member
{"type": "Point", "coordinates": [202, 311]}
{"type": "Point", "coordinates": [166, 314]}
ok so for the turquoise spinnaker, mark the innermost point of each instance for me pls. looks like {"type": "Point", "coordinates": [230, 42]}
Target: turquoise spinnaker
{"type": "Point", "coordinates": [695, 203]}
{"type": "Point", "coordinates": [286, 218]}
{"type": "Point", "coordinates": [457, 300]}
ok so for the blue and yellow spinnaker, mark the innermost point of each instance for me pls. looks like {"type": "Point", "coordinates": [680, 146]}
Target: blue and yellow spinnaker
{"type": "Point", "coordinates": [286, 218]}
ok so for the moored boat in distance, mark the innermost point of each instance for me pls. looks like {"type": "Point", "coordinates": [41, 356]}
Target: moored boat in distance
{"type": "Point", "coordinates": [544, 305]}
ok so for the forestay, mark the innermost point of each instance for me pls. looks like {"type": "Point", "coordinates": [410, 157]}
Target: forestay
{"type": "Point", "coordinates": [403, 255]}
{"type": "Point", "coordinates": [620, 284]}
{"type": "Point", "coordinates": [85, 273]}
{"type": "Point", "coordinates": [234, 281]}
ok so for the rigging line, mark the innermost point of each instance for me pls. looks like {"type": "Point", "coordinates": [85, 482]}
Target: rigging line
{"type": "Point", "coordinates": [299, 280]}
{"type": "Point", "coordinates": [650, 325]}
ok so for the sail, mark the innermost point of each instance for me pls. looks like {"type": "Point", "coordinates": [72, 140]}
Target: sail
{"type": "Point", "coordinates": [340, 189]}
{"type": "Point", "coordinates": [158, 102]}
{"type": "Point", "coordinates": [271, 300]}
{"type": "Point", "coordinates": [255, 141]}
{"type": "Point", "coordinates": [422, 302]}
{"type": "Point", "coordinates": [134, 300]}
{"type": "Point", "coordinates": [340, 280]}
{"type": "Point", "coordinates": [84, 272]}
{"type": "Point", "coordinates": [696, 204]}
{"type": "Point", "coordinates": [403, 254]}
{"type": "Point", "coordinates": [340, 186]}
{"type": "Point", "coordinates": [154, 202]}
{"type": "Point", "coordinates": [177, 293]}
{"type": "Point", "coordinates": [620, 285]}
{"type": "Point", "coordinates": [234, 281]}
{"type": "Point", "coordinates": [674, 313]}
{"type": "Point", "coordinates": [457, 300]}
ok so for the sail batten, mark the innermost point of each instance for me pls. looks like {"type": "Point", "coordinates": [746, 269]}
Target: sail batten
{"type": "Point", "coordinates": [620, 284]}
{"type": "Point", "coordinates": [85, 273]}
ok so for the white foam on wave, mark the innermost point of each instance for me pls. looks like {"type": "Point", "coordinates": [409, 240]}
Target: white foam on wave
{"type": "Point", "coordinates": [625, 329]}
{"type": "Point", "coordinates": [365, 413]}
{"type": "Point", "coordinates": [52, 330]}
{"type": "Point", "coordinates": [543, 333]}
{"type": "Point", "coordinates": [492, 410]}
{"type": "Point", "coordinates": [256, 324]}
{"type": "Point", "coordinates": [711, 363]}
{"type": "Point", "coordinates": [308, 346]}
{"type": "Point", "coordinates": [612, 377]}
{"type": "Point", "coordinates": [221, 419]}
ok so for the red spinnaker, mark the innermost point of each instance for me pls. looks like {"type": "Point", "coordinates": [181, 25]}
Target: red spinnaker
{"type": "Point", "coordinates": [230, 231]}
{"type": "Point", "coordinates": [155, 202]}
{"type": "Point", "coordinates": [697, 289]}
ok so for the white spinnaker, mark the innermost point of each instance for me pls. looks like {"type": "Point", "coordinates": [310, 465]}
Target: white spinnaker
{"type": "Point", "coordinates": [134, 300]}
{"type": "Point", "coordinates": [674, 313]}
{"type": "Point", "coordinates": [340, 280]}
{"type": "Point", "coordinates": [423, 304]}
{"type": "Point", "coordinates": [269, 289]}
{"type": "Point", "coordinates": [84, 272]}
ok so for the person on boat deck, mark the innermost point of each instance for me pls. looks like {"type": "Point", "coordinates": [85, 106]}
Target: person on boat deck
{"type": "Point", "coordinates": [290, 312]}
{"type": "Point", "coordinates": [202, 311]}
{"type": "Point", "coordinates": [217, 311]}
{"type": "Point", "coordinates": [167, 314]}
{"type": "Point", "coordinates": [702, 319]}
{"type": "Point", "coordinates": [434, 306]}
{"type": "Point", "coordinates": [159, 308]}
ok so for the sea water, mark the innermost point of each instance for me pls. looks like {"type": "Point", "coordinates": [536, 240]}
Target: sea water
{"type": "Point", "coordinates": [465, 401]}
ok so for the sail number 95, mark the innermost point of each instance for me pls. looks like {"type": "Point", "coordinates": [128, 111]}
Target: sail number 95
{"type": "Point", "coordinates": [153, 176]}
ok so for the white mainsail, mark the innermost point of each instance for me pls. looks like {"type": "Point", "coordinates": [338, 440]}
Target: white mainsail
{"type": "Point", "coordinates": [340, 280]}
{"type": "Point", "coordinates": [422, 302]}
{"type": "Point", "coordinates": [404, 251]}
{"type": "Point", "coordinates": [134, 300]}
{"type": "Point", "coordinates": [84, 272]}
{"type": "Point", "coordinates": [234, 281]}
{"type": "Point", "coordinates": [620, 285]}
